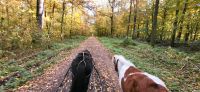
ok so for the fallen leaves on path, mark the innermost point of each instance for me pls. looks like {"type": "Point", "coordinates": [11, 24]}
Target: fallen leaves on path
{"type": "Point", "coordinates": [51, 79]}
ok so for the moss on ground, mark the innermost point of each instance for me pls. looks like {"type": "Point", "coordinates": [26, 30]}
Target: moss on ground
{"type": "Point", "coordinates": [179, 70]}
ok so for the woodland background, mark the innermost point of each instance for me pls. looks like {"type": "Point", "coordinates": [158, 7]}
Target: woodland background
{"type": "Point", "coordinates": [165, 21]}
{"type": "Point", "coordinates": [31, 30]}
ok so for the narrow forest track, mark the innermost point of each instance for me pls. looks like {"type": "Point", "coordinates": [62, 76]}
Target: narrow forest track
{"type": "Point", "coordinates": [53, 76]}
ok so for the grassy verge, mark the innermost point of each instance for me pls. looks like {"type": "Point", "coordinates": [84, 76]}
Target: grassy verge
{"type": "Point", "coordinates": [180, 70]}
{"type": "Point", "coordinates": [21, 70]}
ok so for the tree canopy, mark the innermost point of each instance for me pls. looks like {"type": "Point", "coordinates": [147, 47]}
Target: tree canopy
{"type": "Point", "coordinates": [168, 21]}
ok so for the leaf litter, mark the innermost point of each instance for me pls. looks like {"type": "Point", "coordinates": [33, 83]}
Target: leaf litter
{"type": "Point", "coordinates": [106, 81]}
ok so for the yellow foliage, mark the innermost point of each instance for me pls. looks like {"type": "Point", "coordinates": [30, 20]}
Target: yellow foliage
{"type": "Point", "coordinates": [47, 19]}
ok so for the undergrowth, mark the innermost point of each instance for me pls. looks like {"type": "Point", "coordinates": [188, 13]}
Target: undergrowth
{"type": "Point", "coordinates": [35, 65]}
{"type": "Point", "coordinates": [179, 70]}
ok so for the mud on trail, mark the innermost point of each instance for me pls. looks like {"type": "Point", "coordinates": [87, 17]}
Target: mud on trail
{"type": "Point", "coordinates": [53, 76]}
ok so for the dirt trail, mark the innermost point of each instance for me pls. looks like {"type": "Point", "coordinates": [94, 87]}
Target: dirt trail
{"type": "Point", "coordinates": [50, 80]}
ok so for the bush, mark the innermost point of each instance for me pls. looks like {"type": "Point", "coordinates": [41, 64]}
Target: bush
{"type": "Point", "coordinates": [56, 46]}
{"type": "Point", "coordinates": [15, 43]}
{"type": "Point", "coordinates": [1, 53]}
{"type": "Point", "coordinates": [195, 46]}
{"type": "Point", "coordinates": [46, 53]}
{"type": "Point", "coordinates": [36, 38]}
{"type": "Point", "coordinates": [127, 42]}
{"type": "Point", "coordinates": [7, 54]}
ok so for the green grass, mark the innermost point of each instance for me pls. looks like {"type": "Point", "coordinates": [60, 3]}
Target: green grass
{"type": "Point", "coordinates": [179, 70]}
{"type": "Point", "coordinates": [36, 65]}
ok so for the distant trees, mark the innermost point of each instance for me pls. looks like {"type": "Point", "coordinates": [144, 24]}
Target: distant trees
{"type": "Point", "coordinates": [30, 24]}
{"type": "Point", "coordinates": [181, 19]}
{"type": "Point", "coordinates": [27, 23]}
{"type": "Point", "coordinates": [71, 22]}
{"type": "Point", "coordinates": [101, 25]}
{"type": "Point", "coordinates": [129, 18]}
{"type": "Point", "coordinates": [50, 24]}
{"type": "Point", "coordinates": [112, 4]}
{"type": "Point", "coordinates": [154, 24]}
{"type": "Point", "coordinates": [62, 20]}
{"type": "Point", "coordinates": [163, 25]}
{"type": "Point", "coordinates": [175, 23]}
{"type": "Point", "coordinates": [168, 22]}
{"type": "Point", "coordinates": [135, 18]}
{"type": "Point", "coordinates": [196, 28]}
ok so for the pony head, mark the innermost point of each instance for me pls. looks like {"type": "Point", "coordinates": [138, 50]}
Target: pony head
{"type": "Point", "coordinates": [119, 61]}
{"type": "Point", "coordinates": [115, 60]}
{"type": "Point", "coordinates": [81, 68]}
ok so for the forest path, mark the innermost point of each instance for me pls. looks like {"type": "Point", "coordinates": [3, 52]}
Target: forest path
{"type": "Point", "coordinates": [50, 80]}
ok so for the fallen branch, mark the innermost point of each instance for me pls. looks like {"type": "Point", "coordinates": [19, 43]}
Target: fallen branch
{"type": "Point", "coordinates": [183, 66]}
{"type": "Point", "coordinates": [7, 78]}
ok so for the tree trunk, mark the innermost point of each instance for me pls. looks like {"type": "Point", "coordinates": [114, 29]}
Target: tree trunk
{"type": "Point", "coordinates": [51, 24]}
{"type": "Point", "coordinates": [72, 13]}
{"type": "Point", "coordinates": [7, 14]}
{"type": "Point", "coordinates": [154, 26]}
{"type": "Point", "coordinates": [191, 32]}
{"type": "Point", "coordinates": [181, 20]}
{"type": "Point", "coordinates": [1, 24]}
{"type": "Point", "coordinates": [112, 5]}
{"type": "Point", "coordinates": [40, 13]}
{"type": "Point", "coordinates": [196, 31]}
{"type": "Point", "coordinates": [138, 32]}
{"type": "Point", "coordinates": [163, 23]}
{"type": "Point", "coordinates": [2, 18]}
{"type": "Point", "coordinates": [134, 19]}
{"type": "Point", "coordinates": [31, 24]}
{"type": "Point", "coordinates": [187, 34]}
{"type": "Point", "coordinates": [175, 24]}
{"type": "Point", "coordinates": [147, 28]}
{"type": "Point", "coordinates": [129, 19]}
{"type": "Point", "coordinates": [62, 21]}
{"type": "Point", "coordinates": [112, 22]}
{"type": "Point", "coordinates": [152, 14]}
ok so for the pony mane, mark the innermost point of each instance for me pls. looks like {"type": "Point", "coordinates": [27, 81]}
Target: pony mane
{"type": "Point", "coordinates": [123, 60]}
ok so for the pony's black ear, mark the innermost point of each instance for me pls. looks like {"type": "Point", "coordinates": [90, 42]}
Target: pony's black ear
{"type": "Point", "coordinates": [86, 51]}
{"type": "Point", "coordinates": [117, 60]}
